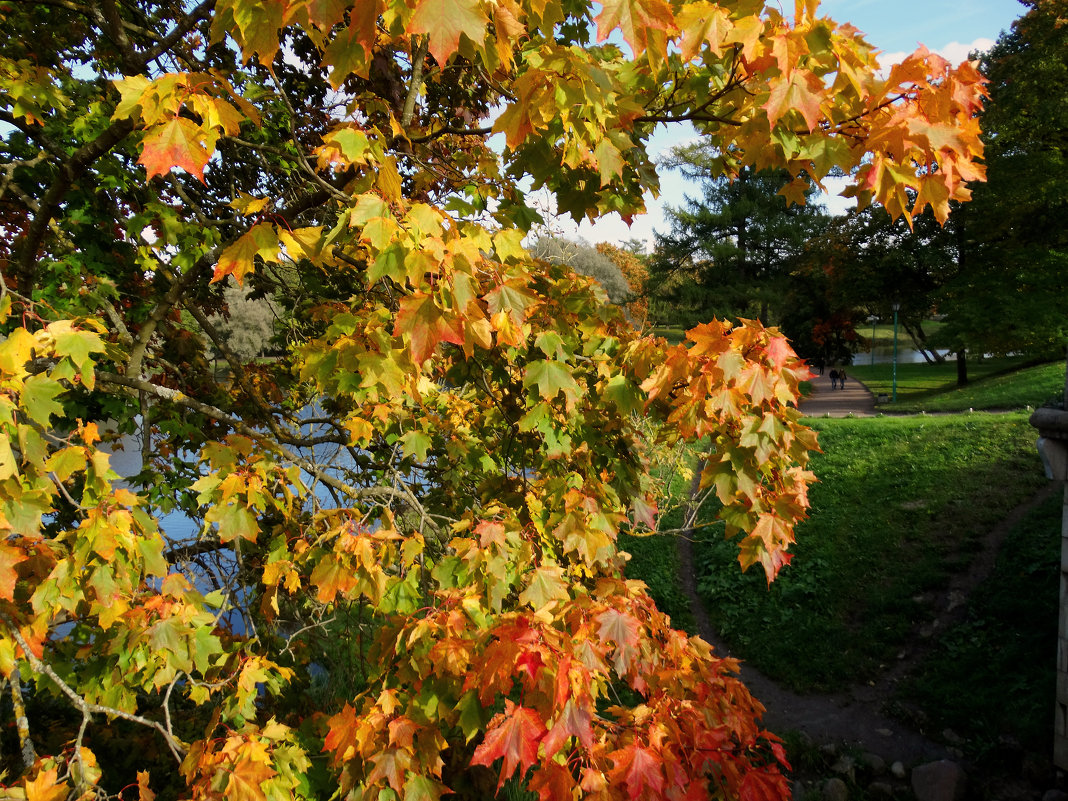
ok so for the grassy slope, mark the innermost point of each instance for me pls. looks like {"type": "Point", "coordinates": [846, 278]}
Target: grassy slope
{"type": "Point", "coordinates": [994, 384]}
{"type": "Point", "coordinates": [993, 675]}
{"type": "Point", "coordinates": [902, 503]}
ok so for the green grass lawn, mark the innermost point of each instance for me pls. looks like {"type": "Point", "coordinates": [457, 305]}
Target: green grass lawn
{"type": "Point", "coordinates": [993, 675]}
{"type": "Point", "coordinates": [884, 333]}
{"type": "Point", "coordinates": [993, 384]}
{"type": "Point", "coordinates": [672, 333]}
{"type": "Point", "coordinates": [901, 504]}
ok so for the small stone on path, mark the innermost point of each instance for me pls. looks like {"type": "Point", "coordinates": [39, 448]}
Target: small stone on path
{"type": "Point", "coordinates": [835, 790]}
{"type": "Point", "coordinates": [943, 780]}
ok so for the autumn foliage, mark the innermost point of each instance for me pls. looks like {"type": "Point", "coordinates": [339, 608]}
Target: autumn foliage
{"type": "Point", "coordinates": [379, 560]}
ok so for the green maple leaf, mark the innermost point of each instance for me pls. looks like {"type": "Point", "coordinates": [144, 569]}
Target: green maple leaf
{"type": "Point", "coordinates": [546, 585]}
{"type": "Point", "coordinates": [234, 521]}
{"type": "Point", "coordinates": [609, 161]}
{"type": "Point", "coordinates": [423, 788]}
{"type": "Point", "coordinates": [77, 346]}
{"type": "Point", "coordinates": [259, 24]}
{"type": "Point", "coordinates": [178, 143]}
{"type": "Point", "coordinates": [444, 20]}
{"type": "Point", "coordinates": [624, 393]}
{"type": "Point", "coordinates": [350, 50]}
{"type": "Point", "coordinates": [39, 399]}
{"type": "Point", "coordinates": [417, 443]}
{"type": "Point", "coordinates": [551, 378]}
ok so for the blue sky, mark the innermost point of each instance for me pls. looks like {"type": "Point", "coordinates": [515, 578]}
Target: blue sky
{"type": "Point", "coordinates": [899, 25]}
{"type": "Point", "coordinates": [951, 27]}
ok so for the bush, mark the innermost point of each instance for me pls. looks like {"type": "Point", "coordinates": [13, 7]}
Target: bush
{"type": "Point", "coordinates": [585, 260]}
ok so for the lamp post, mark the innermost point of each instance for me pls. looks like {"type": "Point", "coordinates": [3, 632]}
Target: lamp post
{"type": "Point", "coordinates": [896, 307]}
{"type": "Point", "coordinates": [871, 319]}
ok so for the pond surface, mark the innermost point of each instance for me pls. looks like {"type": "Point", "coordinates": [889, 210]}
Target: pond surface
{"type": "Point", "coordinates": [884, 354]}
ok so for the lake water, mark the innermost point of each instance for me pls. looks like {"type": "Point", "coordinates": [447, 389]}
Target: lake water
{"type": "Point", "coordinates": [885, 355]}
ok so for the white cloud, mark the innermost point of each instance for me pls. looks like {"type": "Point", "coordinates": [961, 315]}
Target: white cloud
{"type": "Point", "coordinates": [954, 52]}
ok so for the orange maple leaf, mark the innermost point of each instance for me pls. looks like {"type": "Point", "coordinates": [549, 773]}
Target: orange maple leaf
{"type": "Point", "coordinates": [639, 769]}
{"type": "Point", "coordinates": [636, 19]}
{"type": "Point", "coordinates": [247, 778]}
{"type": "Point", "coordinates": [779, 351]}
{"type": "Point", "coordinates": [703, 23]}
{"type": "Point", "coordinates": [9, 557]}
{"type": "Point", "coordinates": [444, 20]}
{"type": "Point", "coordinates": [803, 93]}
{"type": "Point", "coordinates": [46, 786]}
{"type": "Point", "coordinates": [426, 325]}
{"type": "Point", "coordinates": [178, 143]}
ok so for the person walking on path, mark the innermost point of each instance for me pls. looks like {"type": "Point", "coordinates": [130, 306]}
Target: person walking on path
{"type": "Point", "coordinates": [834, 379]}
{"type": "Point", "coordinates": [853, 399]}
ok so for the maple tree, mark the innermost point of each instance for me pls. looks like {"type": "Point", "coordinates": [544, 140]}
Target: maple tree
{"type": "Point", "coordinates": [380, 561]}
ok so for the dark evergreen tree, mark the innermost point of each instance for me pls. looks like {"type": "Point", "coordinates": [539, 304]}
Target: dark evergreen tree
{"type": "Point", "coordinates": [730, 252]}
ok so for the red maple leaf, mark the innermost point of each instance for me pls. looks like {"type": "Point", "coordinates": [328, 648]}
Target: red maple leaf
{"type": "Point", "coordinates": [763, 785]}
{"type": "Point", "coordinates": [514, 736]}
{"type": "Point", "coordinates": [574, 721]}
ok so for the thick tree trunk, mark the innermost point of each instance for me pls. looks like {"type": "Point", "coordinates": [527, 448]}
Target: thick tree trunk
{"type": "Point", "coordinates": [962, 367]}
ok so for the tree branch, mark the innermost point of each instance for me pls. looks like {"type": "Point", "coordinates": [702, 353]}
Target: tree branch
{"type": "Point", "coordinates": [418, 61]}
{"type": "Point", "coordinates": [85, 707]}
{"type": "Point", "coordinates": [181, 28]}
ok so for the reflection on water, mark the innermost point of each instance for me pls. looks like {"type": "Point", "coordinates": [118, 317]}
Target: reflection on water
{"type": "Point", "coordinates": [884, 354]}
